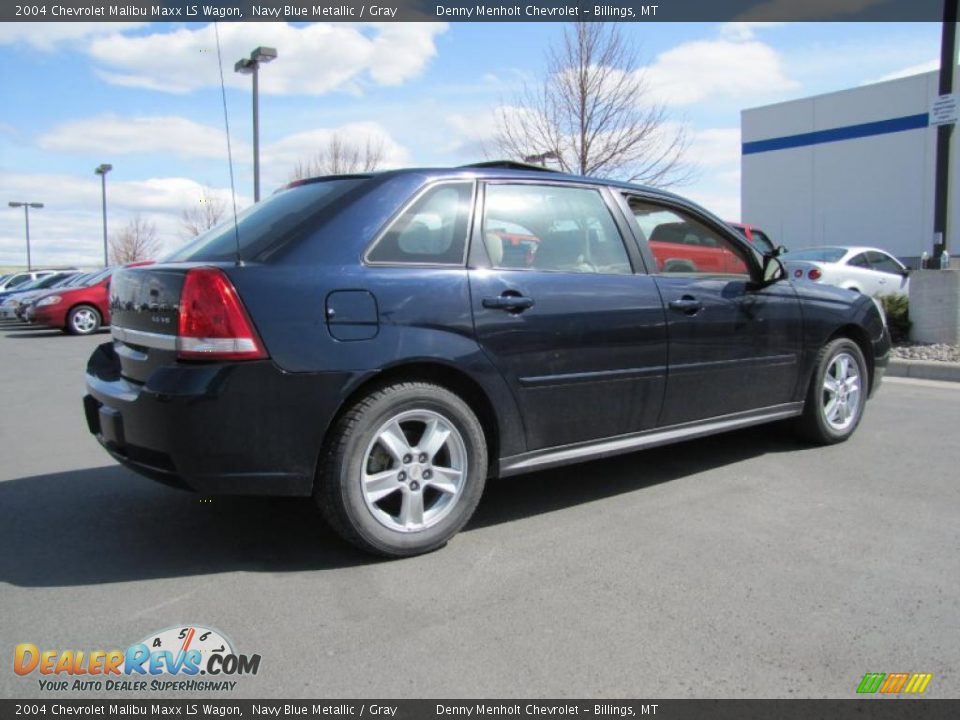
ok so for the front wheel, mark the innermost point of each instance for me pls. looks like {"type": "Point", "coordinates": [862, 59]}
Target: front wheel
{"type": "Point", "coordinates": [403, 470]}
{"type": "Point", "coordinates": [837, 394]}
{"type": "Point", "coordinates": [83, 320]}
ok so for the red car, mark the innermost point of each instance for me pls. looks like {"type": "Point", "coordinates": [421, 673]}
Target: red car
{"type": "Point", "coordinates": [755, 235]}
{"type": "Point", "coordinates": [78, 311]}
{"type": "Point", "coordinates": [684, 247]}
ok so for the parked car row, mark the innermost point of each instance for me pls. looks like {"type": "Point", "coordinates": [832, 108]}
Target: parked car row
{"type": "Point", "coordinates": [74, 302]}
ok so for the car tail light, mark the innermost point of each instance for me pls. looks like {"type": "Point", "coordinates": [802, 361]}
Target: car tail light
{"type": "Point", "coordinates": [814, 274]}
{"type": "Point", "coordinates": [213, 322]}
{"type": "Point", "coordinates": [798, 273]}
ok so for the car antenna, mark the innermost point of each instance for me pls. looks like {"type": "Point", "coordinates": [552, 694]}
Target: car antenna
{"type": "Point", "coordinates": [226, 122]}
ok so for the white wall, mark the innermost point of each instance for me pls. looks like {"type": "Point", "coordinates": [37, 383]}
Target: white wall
{"type": "Point", "coordinates": [873, 191]}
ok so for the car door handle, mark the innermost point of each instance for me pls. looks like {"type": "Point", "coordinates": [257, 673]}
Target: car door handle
{"type": "Point", "coordinates": [687, 304]}
{"type": "Point", "coordinates": [508, 302]}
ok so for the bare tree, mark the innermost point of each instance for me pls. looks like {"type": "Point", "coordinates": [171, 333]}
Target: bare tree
{"type": "Point", "coordinates": [137, 240]}
{"type": "Point", "coordinates": [341, 156]}
{"type": "Point", "coordinates": [593, 113]}
{"type": "Point", "coordinates": [204, 215]}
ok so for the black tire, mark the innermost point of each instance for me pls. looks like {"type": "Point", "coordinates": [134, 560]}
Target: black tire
{"type": "Point", "coordinates": [815, 424]}
{"type": "Point", "coordinates": [353, 449]}
{"type": "Point", "coordinates": [83, 320]}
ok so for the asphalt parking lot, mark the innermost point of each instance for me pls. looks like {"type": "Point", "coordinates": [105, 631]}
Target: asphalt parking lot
{"type": "Point", "coordinates": [744, 565]}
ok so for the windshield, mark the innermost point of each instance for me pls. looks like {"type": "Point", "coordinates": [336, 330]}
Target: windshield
{"type": "Point", "coordinates": [285, 216]}
{"type": "Point", "coordinates": [820, 254]}
{"type": "Point", "coordinates": [94, 278]}
{"type": "Point", "coordinates": [28, 284]}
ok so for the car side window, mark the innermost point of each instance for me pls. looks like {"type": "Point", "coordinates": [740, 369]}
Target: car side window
{"type": "Point", "coordinates": [680, 243]}
{"type": "Point", "coordinates": [431, 231]}
{"type": "Point", "coordinates": [552, 228]}
{"type": "Point", "coordinates": [884, 263]}
{"type": "Point", "coordinates": [859, 261]}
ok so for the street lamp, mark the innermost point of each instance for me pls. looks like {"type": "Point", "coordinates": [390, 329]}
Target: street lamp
{"type": "Point", "coordinates": [102, 171]}
{"type": "Point", "coordinates": [26, 217]}
{"type": "Point", "coordinates": [250, 66]}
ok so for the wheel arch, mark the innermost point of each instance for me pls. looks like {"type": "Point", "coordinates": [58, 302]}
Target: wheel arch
{"type": "Point", "coordinates": [860, 336]}
{"type": "Point", "coordinates": [436, 373]}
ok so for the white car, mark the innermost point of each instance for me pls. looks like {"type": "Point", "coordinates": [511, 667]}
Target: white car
{"type": "Point", "coordinates": [862, 269]}
{"type": "Point", "coordinates": [12, 281]}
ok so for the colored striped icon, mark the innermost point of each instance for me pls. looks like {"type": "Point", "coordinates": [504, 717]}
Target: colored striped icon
{"type": "Point", "coordinates": [894, 683]}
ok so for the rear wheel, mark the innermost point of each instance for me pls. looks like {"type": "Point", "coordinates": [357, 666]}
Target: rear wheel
{"type": "Point", "coordinates": [83, 320]}
{"type": "Point", "coordinates": [403, 470]}
{"type": "Point", "coordinates": [837, 394]}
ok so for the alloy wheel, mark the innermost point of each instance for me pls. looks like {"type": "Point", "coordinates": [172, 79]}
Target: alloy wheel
{"type": "Point", "coordinates": [414, 470]}
{"type": "Point", "coordinates": [840, 396]}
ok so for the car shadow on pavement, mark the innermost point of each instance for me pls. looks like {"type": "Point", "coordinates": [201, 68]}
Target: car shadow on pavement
{"type": "Point", "coordinates": [104, 525]}
{"type": "Point", "coordinates": [522, 496]}
{"type": "Point", "coordinates": [32, 333]}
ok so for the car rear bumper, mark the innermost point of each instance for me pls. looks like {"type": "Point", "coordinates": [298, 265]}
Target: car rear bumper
{"type": "Point", "coordinates": [224, 428]}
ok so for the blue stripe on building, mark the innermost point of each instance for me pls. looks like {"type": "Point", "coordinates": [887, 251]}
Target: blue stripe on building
{"type": "Point", "coordinates": [849, 132]}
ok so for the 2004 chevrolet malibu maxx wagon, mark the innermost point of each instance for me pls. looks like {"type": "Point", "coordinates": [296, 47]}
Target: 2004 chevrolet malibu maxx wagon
{"type": "Point", "coordinates": [387, 342]}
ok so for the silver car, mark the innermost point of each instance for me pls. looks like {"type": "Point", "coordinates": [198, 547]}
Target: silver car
{"type": "Point", "coordinates": [866, 270]}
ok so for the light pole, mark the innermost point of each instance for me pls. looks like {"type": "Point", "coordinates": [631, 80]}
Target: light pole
{"type": "Point", "coordinates": [26, 217]}
{"type": "Point", "coordinates": [102, 171]}
{"type": "Point", "coordinates": [251, 66]}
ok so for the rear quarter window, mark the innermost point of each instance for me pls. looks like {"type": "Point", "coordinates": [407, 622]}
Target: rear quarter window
{"type": "Point", "coordinates": [285, 217]}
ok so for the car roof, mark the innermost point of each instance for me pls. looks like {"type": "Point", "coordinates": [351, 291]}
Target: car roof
{"type": "Point", "coordinates": [498, 170]}
{"type": "Point", "coordinates": [848, 249]}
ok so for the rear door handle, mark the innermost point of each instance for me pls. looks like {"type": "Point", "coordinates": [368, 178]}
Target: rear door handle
{"type": "Point", "coordinates": [509, 302]}
{"type": "Point", "coordinates": [688, 305]}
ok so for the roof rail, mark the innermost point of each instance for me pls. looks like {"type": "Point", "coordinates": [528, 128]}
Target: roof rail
{"type": "Point", "coordinates": [509, 165]}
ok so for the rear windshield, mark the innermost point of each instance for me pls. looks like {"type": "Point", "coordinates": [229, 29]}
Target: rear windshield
{"type": "Point", "coordinates": [822, 254]}
{"type": "Point", "coordinates": [285, 216]}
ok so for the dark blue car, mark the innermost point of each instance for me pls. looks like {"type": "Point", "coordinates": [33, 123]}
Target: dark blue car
{"type": "Point", "coordinates": [387, 342]}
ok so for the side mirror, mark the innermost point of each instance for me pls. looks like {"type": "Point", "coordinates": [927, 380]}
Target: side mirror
{"type": "Point", "coordinates": [905, 272]}
{"type": "Point", "coordinates": [779, 250]}
{"type": "Point", "coordinates": [773, 269]}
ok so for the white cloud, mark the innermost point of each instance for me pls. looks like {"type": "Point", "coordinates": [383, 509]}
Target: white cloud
{"type": "Point", "coordinates": [313, 60]}
{"type": "Point", "coordinates": [68, 229]}
{"type": "Point", "coordinates": [278, 159]}
{"type": "Point", "coordinates": [717, 69]}
{"type": "Point", "coordinates": [159, 134]}
{"type": "Point", "coordinates": [715, 147]}
{"type": "Point", "coordinates": [47, 36]}
{"type": "Point", "coordinates": [917, 69]}
{"type": "Point", "coordinates": [744, 30]}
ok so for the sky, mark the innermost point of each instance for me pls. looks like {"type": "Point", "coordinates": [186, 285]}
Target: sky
{"type": "Point", "coordinates": [146, 98]}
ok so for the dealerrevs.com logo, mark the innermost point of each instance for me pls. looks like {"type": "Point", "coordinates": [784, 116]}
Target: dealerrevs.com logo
{"type": "Point", "coordinates": [169, 660]}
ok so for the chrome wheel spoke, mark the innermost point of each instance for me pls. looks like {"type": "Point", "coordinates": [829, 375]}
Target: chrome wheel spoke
{"type": "Point", "coordinates": [394, 441]}
{"type": "Point", "coordinates": [831, 385]}
{"type": "Point", "coordinates": [446, 480]}
{"type": "Point", "coordinates": [832, 411]}
{"type": "Point", "coordinates": [843, 368]}
{"type": "Point", "coordinates": [434, 437]}
{"type": "Point", "coordinates": [379, 485]}
{"type": "Point", "coordinates": [411, 509]}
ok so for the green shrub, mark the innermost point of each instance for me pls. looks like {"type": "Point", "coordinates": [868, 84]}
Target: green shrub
{"type": "Point", "coordinates": [897, 308]}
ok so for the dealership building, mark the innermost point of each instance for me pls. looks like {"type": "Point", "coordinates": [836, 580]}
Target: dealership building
{"type": "Point", "coordinates": [854, 167]}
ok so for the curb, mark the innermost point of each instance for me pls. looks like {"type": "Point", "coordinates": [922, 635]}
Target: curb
{"type": "Point", "coordinates": [924, 370]}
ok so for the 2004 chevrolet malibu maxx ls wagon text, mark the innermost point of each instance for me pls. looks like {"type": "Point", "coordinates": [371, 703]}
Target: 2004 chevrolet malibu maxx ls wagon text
{"type": "Point", "coordinates": [387, 342]}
